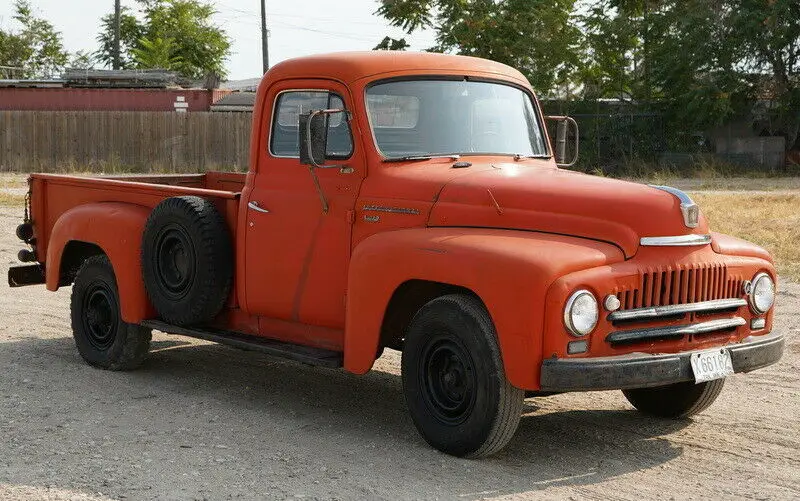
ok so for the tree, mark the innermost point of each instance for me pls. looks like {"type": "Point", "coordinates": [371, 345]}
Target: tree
{"type": "Point", "coordinates": [81, 60]}
{"type": "Point", "coordinates": [768, 36]}
{"type": "Point", "coordinates": [612, 50]}
{"type": "Point", "coordinates": [36, 48]}
{"type": "Point", "coordinates": [178, 34]}
{"type": "Point", "coordinates": [701, 62]}
{"type": "Point", "coordinates": [158, 53]}
{"type": "Point", "coordinates": [130, 31]}
{"type": "Point", "coordinates": [538, 37]}
{"type": "Point", "coordinates": [389, 43]}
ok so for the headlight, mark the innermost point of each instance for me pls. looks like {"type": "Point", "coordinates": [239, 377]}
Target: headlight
{"type": "Point", "coordinates": [762, 293]}
{"type": "Point", "coordinates": [581, 313]}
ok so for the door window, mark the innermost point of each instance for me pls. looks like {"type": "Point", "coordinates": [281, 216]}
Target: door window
{"type": "Point", "coordinates": [288, 108]}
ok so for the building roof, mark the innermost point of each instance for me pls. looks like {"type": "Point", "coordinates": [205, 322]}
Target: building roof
{"type": "Point", "coordinates": [236, 101]}
{"type": "Point", "coordinates": [247, 84]}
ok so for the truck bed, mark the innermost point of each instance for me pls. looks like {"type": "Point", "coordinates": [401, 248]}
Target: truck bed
{"type": "Point", "coordinates": [53, 194]}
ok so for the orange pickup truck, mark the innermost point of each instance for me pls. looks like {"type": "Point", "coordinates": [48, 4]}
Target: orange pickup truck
{"type": "Point", "coordinates": [415, 202]}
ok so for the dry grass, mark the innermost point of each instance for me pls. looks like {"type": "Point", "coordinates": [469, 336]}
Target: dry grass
{"type": "Point", "coordinates": [8, 180]}
{"type": "Point", "coordinates": [11, 199]}
{"type": "Point", "coordinates": [769, 220]}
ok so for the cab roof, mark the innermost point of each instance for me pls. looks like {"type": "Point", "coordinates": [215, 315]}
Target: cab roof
{"type": "Point", "coordinates": [349, 67]}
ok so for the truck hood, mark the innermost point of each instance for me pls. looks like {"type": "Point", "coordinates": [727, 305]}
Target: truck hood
{"type": "Point", "coordinates": [514, 196]}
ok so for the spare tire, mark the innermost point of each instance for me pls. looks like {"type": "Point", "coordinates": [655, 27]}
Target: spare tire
{"type": "Point", "coordinates": [187, 260]}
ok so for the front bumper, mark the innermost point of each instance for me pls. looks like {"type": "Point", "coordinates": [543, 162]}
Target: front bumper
{"type": "Point", "coordinates": [641, 370]}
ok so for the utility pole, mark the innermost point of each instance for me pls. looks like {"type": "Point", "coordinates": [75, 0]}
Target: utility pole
{"type": "Point", "coordinates": [117, 13]}
{"type": "Point", "coordinates": [264, 34]}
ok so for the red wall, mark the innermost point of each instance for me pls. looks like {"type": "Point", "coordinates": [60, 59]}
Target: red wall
{"type": "Point", "coordinates": [69, 99]}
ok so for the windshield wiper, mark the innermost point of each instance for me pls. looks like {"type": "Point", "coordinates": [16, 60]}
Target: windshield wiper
{"type": "Point", "coordinates": [411, 158]}
{"type": "Point", "coordinates": [519, 156]}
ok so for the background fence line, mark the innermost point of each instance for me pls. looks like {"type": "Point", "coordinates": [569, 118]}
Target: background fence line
{"type": "Point", "coordinates": [618, 139]}
{"type": "Point", "coordinates": [120, 141]}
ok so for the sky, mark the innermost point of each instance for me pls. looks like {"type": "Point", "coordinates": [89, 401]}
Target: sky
{"type": "Point", "coordinates": [297, 27]}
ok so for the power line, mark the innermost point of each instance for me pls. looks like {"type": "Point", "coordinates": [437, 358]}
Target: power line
{"type": "Point", "coordinates": [351, 36]}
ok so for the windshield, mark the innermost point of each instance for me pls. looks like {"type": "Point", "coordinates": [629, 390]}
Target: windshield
{"type": "Point", "coordinates": [418, 118]}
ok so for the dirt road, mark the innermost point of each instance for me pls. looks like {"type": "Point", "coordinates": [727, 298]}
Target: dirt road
{"type": "Point", "coordinates": [201, 421]}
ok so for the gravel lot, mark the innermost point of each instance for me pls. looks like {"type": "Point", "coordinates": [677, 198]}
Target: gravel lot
{"type": "Point", "coordinates": [202, 421]}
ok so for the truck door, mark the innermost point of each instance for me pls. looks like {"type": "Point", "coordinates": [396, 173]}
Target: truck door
{"type": "Point", "coordinates": [297, 256]}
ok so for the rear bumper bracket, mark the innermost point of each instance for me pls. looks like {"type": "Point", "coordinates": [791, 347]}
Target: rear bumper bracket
{"type": "Point", "coordinates": [32, 274]}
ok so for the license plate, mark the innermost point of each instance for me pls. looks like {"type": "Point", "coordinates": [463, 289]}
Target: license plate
{"type": "Point", "coordinates": [710, 365]}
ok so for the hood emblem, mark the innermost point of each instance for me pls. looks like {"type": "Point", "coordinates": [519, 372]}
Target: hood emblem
{"type": "Point", "coordinates": [689, 209]}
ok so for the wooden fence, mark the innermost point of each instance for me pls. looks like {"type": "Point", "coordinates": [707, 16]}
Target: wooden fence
{"type": "Point", "coordinates": [122, 141]}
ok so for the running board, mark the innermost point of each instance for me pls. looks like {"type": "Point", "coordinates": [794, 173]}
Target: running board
{"type": "Point", "coordinates": [296, 352]}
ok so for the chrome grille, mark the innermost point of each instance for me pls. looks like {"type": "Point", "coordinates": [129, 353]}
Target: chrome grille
{"type": "Point", "coordinates": [681, 285]}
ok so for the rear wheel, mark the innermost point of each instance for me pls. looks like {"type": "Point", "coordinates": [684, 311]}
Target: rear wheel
{"type": "Point", "coordinates": [102, 338]}
{"type": "Point", "coordinates": [677, 400]}
{"type": "Point", "coordinates": [454, 381]}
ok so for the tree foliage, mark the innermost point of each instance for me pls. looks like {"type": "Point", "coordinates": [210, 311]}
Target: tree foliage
{"type": "Point", "coordinates": [130, 31]}
{"type": "Point", "coordinates": [700, 62]}
{"type": "Point", "coordinates": [36, 48]}
{"type": "Point", "coordinates": [177, 35]}
{"type": "Point", "coordinates": [538, 37]}
{"type": "Point", "coordinates": [158, 53]}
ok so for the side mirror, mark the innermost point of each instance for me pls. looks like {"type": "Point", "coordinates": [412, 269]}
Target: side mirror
{"type": "Point", "coordinates": [313, 136]}
{"type": "Point", "coordinates": [562, 131]}
{"type": "Point", "coordinates": [313, 142]}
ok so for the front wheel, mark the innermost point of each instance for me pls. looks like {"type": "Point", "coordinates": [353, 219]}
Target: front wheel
{"type": "Point", "coordinates": [454, 381]}
{"type": "Point", "coordinates": [677, 400]}
{"type": "Point", "coordinates": [102, 338]}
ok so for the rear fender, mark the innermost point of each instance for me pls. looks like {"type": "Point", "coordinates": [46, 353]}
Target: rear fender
{"type": "Point", "coordinates": [510, 271]}
{"type": "Point", "coordinates": [117, 229]}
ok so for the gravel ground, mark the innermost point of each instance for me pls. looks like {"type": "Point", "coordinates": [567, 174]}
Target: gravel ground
{"type": "Point", "coordinates": [202, 421]}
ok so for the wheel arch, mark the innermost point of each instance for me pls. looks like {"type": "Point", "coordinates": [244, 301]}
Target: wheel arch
{"type": "Point", "coordinates": [109, 228]}
{"type": "Point", "coordinates": [406, 300]}
{"type": "Point", "coordinates": [509, 271]}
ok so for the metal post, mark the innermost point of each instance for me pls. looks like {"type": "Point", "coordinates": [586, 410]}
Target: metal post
{"type": "Point", "coordinates": [117, 13]}
{"type": "Point", "coordinates": [264, 34]}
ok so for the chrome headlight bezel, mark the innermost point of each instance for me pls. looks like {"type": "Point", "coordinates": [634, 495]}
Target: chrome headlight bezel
{"type": "Point", "coordinates": [751, 295]}
{"type": "Point", "coordinates": [578, 298]}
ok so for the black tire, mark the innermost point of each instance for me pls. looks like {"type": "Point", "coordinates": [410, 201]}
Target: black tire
{"type": "Point", "coordinates": [454, 381]}
{"type": "Point", "coordinates": [679, 400]}
{"type": "Point", "coordinates": [102, 338]}
{"type": "Point", "coordinates": [187, 260]}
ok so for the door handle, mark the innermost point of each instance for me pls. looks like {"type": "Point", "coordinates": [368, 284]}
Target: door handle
{"type": "Point", "coordinates": [254, 205]}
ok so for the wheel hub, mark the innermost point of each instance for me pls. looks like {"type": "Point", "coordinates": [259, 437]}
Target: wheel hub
{"type": "Point", "coordinates": [100, 316]}
{"type": "Point", "coordinates": [449, 385]}
{"type": "Point", "coordinates": [175, 261]}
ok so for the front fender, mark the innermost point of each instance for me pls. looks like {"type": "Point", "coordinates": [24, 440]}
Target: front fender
{"type": "Point", "coordinates": [509, 270]}
{"type": "Point", "coordinates": [117, 229]}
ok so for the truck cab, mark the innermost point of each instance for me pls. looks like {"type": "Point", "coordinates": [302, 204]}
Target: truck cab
{"type": "Point", "coordinates": [414, 202]}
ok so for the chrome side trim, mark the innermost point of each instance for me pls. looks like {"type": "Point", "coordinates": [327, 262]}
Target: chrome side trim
{"type": "Point", "coordinates": [679, 194]}
{"type": "Point", "coordinates": [689, 210]}
{"type": "Point", "coordinates": [674, 332]}
{"type": "Point", "coordinates": [393, 210]}
{"type": "Point", "coordinates": [676, 309]}
{"type": "Point", "coordinates": [675, 241]}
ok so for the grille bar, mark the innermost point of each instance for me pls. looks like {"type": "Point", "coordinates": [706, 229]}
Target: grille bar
{"type": "Point", "coordinates": [656, 312]}
{"type": "Point", "coordinates": [674, 332]}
